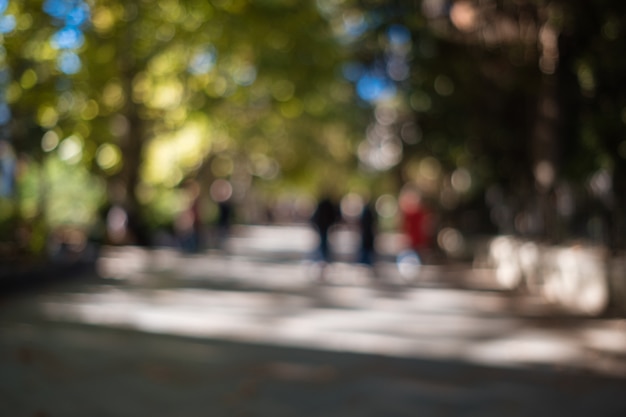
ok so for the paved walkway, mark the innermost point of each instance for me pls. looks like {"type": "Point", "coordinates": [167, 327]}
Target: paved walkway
{"type": "Point", "coordinates": [63, 370]}
{"type": "Point", "coordinates": [253, 333]}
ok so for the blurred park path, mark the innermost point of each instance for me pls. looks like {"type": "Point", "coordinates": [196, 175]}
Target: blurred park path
{"type": "Point", "coordinates": [251, 331]}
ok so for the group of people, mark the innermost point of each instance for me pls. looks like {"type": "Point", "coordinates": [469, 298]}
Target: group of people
{"type": "Point", "coordinates": [415, 224]}
{"type": "Point", "coordinates": [415, 227]}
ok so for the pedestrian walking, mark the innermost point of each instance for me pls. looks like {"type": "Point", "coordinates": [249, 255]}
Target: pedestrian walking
{"type": "Point", "coordinates": [367, 234]}
{"type": "Point", "coordinates": [188, 224]}
{"type": "Point", "coordinates": [416, 230]}
{"type": "Point", "coordinates": [325, 216]}
{"type": "Point", "coordinates": [221, 193]}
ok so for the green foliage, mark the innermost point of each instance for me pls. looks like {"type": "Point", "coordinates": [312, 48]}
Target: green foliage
{"type": "Point", "coordinates": [166, 87]}
{"type": "Point", "coordinates": [255, 92]}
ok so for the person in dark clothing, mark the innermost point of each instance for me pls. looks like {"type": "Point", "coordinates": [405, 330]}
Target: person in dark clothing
{"type": "Point", "coordinates": [189, 224]}
{"type": "Point", "coordinates": [224, 220]}
{"type": "Point", "coordinates": [367, 231]}
{"type": "Point", "coordinates": [325, 216]}
{"type": "Point", "coordinates": [221, 192]}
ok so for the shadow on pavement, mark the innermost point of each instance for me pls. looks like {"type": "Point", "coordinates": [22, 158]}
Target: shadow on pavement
{"type": "Point", "coordinates": [30, 278]}
{"type": "Point", "coordinates": [196, 336]}
{"type": "Point", "coordinates": [77, 370]}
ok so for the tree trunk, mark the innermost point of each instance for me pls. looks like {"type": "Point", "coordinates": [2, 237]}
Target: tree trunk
{"type": "Point", "coordinates": [131, 144]}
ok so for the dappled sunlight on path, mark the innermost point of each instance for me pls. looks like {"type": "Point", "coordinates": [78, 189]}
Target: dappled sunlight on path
{"type": "Point", "coordinates": [257, 332]}
{"type": "Point", "coordinates": [240, 298]}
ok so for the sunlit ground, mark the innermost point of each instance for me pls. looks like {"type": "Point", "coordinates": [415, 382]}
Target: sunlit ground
{"type": "Point", "coordinates": [264, 290]}
{"type": "Point", "coordinates": [254, 330]}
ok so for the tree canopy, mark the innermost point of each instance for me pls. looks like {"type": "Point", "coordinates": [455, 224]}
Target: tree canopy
{"type": "Point", "coordinates": [513, 107]}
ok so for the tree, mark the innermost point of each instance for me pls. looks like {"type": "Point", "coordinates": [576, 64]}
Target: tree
{"type": "Point", "coordinates": [522, 96]}
{"type": "Point", "coordinates": [150, 94]}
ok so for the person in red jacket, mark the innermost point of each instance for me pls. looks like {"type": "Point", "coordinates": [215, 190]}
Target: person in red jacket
{"type": "Point", "coordinates": [415, 227]}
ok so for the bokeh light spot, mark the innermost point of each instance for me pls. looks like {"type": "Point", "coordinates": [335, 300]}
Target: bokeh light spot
{"type": "Point", "coordinates": [245, 75]}
{"type": "Point", "coordinates": [464, 16]}
{"type": "Point", "coordinates": [7, 24]}
{"type": "Point", "coordinates": [108, 156]}
{"type": "Point", "coordinates": [113, 95]}
{"type": "Point", "coordinates": [444, 85]}
{"type": "Point", "coordinates": [221, 190]}
{"type": "Point", "coordinates": [430, 168]}
{"type": "Point", "coordinates": [13, 93]}
{"type": "Point", "coordinates": [263, 166]}
{"type": "Point", "coordinates": [49, 141]}
{"type": "Point", "coordinates": [373, 87]}
{"type": "Point", "coordinates": [354, 23]}
{"type": "Point", "coordinates": [352, 71]}
{"type": "Point", "coordinates": [167, 95]}
{"type": "Point", "coordinates": [283, 90]}
{"type": "Point", "coordinates": [90, 111]}
{"type": "Point", "coordinates": [68, 37]}
{"type": "Point", "coordinates": [421, 102]}
{"type": "Point", "coordinates": [24, 21]}
{"type": "Point", "coordinates": [222, 166]}
{"type": "Point", "coordinates": [203, 62]}
{"type": "Point", "coordinates": [399, 35]}
{"type": "Point", "coordinates": [28, 79]}
{"type": "Point", "coordinates": [69, 63]}
{"type": "Point", "coordinates": [351, 205]}
{"type": "Point", "coordinates": [71, 149]}
{"type": "Point", "coordinates": [47, 116]}
{"type": "Point", "coordinates": [451, 241]}
{"type": "Point", "coordinates": [291, 109]}
{"type": "Point", "coordinates": [103, 19]}
{"type": "Point", "coordinates": [386, 206]}
{"type": "Point", "coordinates": [461, 180]}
